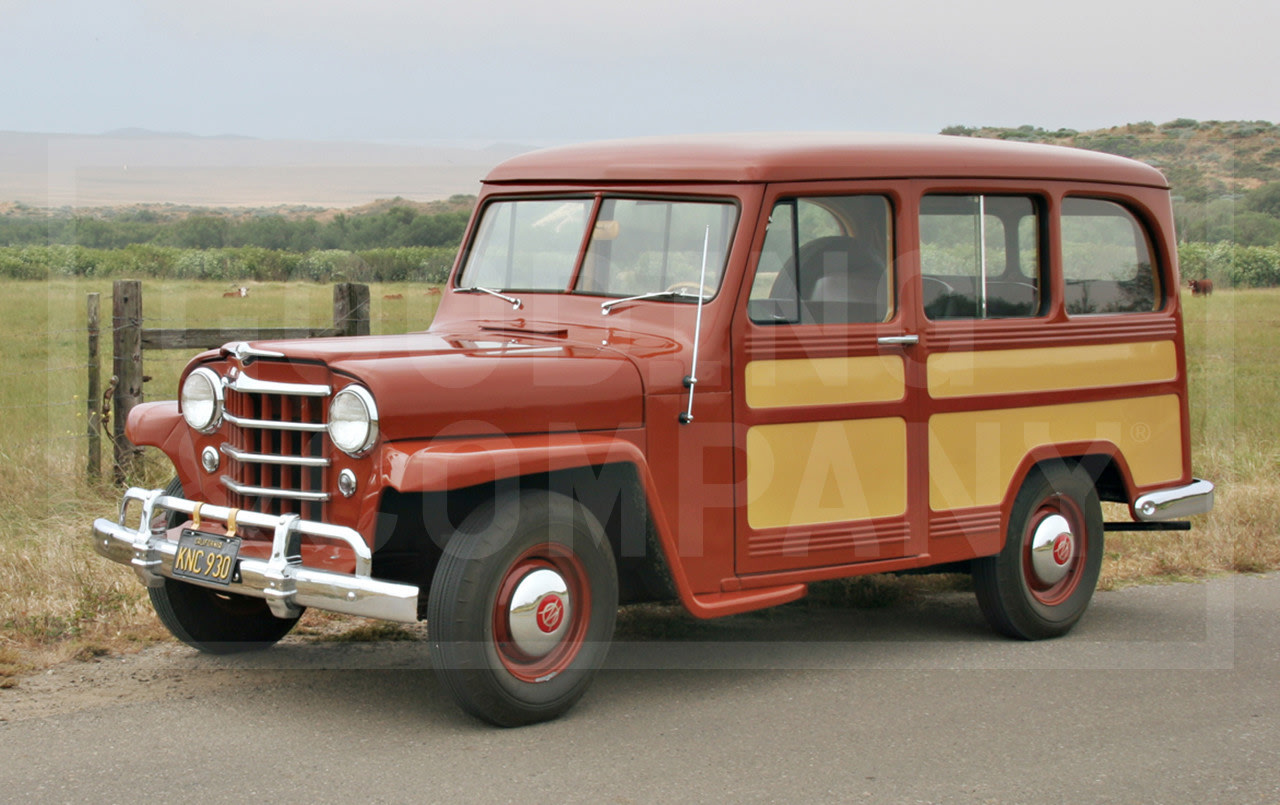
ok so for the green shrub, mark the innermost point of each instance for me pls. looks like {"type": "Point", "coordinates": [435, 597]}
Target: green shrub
{"type": "Point", "coordinates": [1231, 264]}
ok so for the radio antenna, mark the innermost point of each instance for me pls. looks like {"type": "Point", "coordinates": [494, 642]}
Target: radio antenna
{"type": "Point", "coordinates": [692, 380]}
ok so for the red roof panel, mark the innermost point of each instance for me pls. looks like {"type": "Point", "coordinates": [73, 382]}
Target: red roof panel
{"type": "Point", "coordinates": [805, 157]}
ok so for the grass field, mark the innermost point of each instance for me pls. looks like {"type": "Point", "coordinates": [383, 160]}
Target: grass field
{"type": "Point", "coordinates": [58, 599]}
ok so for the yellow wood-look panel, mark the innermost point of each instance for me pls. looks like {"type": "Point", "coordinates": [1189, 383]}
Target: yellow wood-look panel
{"type": "Point", "coordinates": [807, 473]}
{"type": "Point", "coordinates": [824, 381]}
{"type": "Point", "coordinates": [974, 454]}
{"type": "Point", "coordinates": [1013, 371]}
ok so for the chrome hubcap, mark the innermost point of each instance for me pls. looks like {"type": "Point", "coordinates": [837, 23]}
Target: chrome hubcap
{"type": "Point", "coordinates": [1053, 546]}
{"type": "Point", "coordinates": [540, 612]}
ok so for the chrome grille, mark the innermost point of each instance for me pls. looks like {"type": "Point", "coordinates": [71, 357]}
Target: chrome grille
{"type": "Point", "coordinates": [276, 448]}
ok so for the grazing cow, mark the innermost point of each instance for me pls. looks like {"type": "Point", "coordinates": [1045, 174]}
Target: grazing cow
{"type": "Point", "coordinates": [240, 292]}
{"type": "Point", "coordinates": [433, 292]}
{"type": "Point", "coordinates": [1200, 287]}
{"type": "Point", "coordinates": [393, 296]}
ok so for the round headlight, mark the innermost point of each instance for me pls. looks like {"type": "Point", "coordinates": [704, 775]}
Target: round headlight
{"type": "Point", "coordinates": [202, 400]}
{"type": "Point", "coordinates": [353, 420]}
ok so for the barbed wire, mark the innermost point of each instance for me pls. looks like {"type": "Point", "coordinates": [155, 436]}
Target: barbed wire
{"type": "Point", "coordinates": [54, 370]}
{"type": "Point", "coordinates": [40, 405]}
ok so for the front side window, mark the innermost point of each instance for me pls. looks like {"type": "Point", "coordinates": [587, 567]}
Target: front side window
{"type": "Point", "coordinates": [825, 260]}
{"type": "Point", "coordinates": [1106, 261]}
{"type": "Point", "coordinates": [632, 247]}
{"type": "Point", "coordinates": [980, 257]}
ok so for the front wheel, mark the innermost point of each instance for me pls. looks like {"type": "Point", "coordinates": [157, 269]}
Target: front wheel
{"type": "Point", "coordinates": [522, 608]}
{"type": "Point", "coordinates": [1040, 584]}
{"type": "Point", "coordinates": [214, 622]}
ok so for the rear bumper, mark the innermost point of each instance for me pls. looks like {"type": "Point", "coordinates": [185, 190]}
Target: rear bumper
{"type": "Point", "coordinates": [1172, 504]}
{"type": "Point", "coordinates": [282, 580]}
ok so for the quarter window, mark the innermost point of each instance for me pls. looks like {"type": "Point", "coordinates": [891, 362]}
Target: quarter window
{"type": "Point", "coordinates": [980, 257]}
{"type": "Point", "coordinates": [1106, 260]}
{"type": "Point", "coordinates": [825, 260]}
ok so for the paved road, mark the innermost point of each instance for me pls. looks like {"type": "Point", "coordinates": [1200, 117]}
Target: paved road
{"type": "Point", "coordinates": [1162, 694]}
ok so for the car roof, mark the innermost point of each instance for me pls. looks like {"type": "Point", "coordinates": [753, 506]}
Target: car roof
{"type": "Point", "coordinates": [729, 158]}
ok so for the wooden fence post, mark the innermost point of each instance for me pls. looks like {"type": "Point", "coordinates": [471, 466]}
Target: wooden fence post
{"type": "Point", "coordinates": [360, 308]}
{"type": "Point", "coordinates": [93, 400]}
{"type": "Point", "coordinates": [126, 326]}
{"type": "Point", "coordinates": [351, 308]}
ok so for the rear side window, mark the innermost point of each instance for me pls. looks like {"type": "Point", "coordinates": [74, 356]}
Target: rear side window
{"type": "Point", "coordinates": [980, 257]}
{"type": "Point", "coordinates": [1106, 259]}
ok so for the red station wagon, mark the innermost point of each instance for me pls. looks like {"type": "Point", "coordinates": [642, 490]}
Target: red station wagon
{"type": "Point", "coordinates": [714, 369]}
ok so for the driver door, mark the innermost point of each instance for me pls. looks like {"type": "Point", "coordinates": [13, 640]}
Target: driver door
{"type": "Point", "coordinates": [821, 400]}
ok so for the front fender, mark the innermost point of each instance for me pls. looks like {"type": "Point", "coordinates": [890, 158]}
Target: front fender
{"type": "Point", "coordinates": [438, 465]}
{"type": "Point", "coordinates": [160, 425]}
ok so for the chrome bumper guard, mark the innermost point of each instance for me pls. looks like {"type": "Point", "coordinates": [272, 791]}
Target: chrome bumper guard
{"type": "Point", "coordinates": [283, 581]}
{"type": "Point", "coordinates": [1172, 504]}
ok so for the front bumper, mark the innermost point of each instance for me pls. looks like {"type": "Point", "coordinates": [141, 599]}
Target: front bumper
{"type": "Point", "coordinates": [282, 580]}
{"type": "Point", "coordinates": [1170, 504]}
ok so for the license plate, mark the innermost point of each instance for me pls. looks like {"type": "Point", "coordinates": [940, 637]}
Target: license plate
{"type": "Point", "coordinates": [206, 557]}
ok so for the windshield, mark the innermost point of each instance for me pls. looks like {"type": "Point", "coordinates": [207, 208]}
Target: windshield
{"type": "Point", "coordinates": [635, 246]}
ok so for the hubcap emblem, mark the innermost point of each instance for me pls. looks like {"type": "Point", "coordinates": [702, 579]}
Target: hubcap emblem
{"type": "Point", "coordinates": [1052, 547]}
{"type": "Point", "coordinates": [550, 613]}
{"type": "Point", "coordinates": [539, 612]}
{"type": "Point", "coordinates": [1062, 549]}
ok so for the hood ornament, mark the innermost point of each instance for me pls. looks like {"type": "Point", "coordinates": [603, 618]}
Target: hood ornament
{"type": "Point", "coordinates": [245, 353]}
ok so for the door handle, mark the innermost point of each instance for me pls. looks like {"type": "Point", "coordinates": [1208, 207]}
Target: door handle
{"type": "Point", "coordinates": [898, 340]}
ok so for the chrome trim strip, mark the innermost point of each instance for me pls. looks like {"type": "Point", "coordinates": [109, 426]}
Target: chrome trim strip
{"type": "Point", "coordinates": [265, 492]}
{"type": "Point", "coordinates": [271, 424]}
{"type": "Point", "coordinates": [251, 385]}
{"type": "Point", "coordinates": [1176, 503]}
{"type": "Point", "coordinates": [263, 458]}
{"type": "Point", "coordinates": [283, 581]}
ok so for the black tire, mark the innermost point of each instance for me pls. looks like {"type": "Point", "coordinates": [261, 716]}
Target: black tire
{"type": "Point", "coordinates": [476, 624]}
{"type": "Point", "coordinates": [215, 622]}
{"type": "Point", "coordinates": [1031, 598]}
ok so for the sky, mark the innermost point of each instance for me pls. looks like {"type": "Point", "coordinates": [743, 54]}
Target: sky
{"type": "Point", "coordinates": [564, 70]}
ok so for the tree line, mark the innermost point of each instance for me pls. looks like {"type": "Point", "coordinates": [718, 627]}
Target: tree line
{"type": "Point", "coordinates": [399, 226]}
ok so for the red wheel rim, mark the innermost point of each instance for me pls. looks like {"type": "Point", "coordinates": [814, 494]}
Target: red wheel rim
{"type": "Point", "coordinates": [1055, 593]}
{"type": "Point", "coordinates": [565, 563]}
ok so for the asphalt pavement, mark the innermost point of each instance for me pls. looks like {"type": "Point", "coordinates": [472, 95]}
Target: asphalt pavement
{"type": "Point", "coordinates": [1161, 694]}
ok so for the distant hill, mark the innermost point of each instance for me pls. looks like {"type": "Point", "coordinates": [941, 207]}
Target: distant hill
{"type": "Point", "coordinates": [1203, 160]}
{"type": "Point", "coordinates": [138, 166]}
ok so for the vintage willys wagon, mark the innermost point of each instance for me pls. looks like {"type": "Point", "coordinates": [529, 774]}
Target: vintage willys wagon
{"type": "Point", "coordinates": [714, 369]}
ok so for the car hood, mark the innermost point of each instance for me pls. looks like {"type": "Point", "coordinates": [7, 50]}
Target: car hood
{"type": "Point", "coordinates": [431, 384]}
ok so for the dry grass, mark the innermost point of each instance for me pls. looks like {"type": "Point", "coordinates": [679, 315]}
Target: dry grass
{"type": "Point", "coordinates": [58, 600]}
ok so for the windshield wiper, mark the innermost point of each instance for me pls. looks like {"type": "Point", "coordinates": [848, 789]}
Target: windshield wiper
{"type": "Point", "coordinates": [674, 293]}
{"type": "Point", "coordinates": [516, 304]}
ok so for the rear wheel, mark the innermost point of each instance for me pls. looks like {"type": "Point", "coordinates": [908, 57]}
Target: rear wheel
{"type": "Point", "coordinates": [1040, 584]}
{"type": "Point", "coordinates": [214, 622]}
{"type": "Point", "coordinates": [522, 608]}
